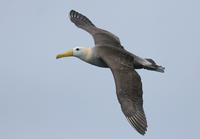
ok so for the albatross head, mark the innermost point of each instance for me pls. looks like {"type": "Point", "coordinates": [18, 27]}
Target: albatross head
{"type": "Point", "coordinates": [80, 52]}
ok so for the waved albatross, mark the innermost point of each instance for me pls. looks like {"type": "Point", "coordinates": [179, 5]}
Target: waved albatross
{"type": "Point", "coordinates": [109, 53]}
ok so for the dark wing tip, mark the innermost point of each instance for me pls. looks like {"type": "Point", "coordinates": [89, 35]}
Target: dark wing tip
{"type": "Point", "coordinates": [79, 19]}
{"type": "Point", "coordinates": [138, 121]}
{"type": "Point", "coordinates": [72, 11]}
{"type": "Point", "coordinates": [73, 14]}
{"type": "Point", "coordinates": [140, 127]}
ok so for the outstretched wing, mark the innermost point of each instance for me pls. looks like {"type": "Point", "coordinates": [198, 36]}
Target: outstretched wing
{"type": "Point", "coordinates": [101, 37]}
{"type": "Point", "coordinates": [128, 86]}
{"type": "Point", "coordinates": [129, 92]}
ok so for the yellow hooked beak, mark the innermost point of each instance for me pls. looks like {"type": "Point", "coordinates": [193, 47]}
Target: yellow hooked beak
{"type": "Point", "coordinates": [65, 54]}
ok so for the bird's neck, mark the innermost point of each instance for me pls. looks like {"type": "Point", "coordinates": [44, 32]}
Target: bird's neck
{"type": "Point", "coordinates": [89, 56]}
{"type": "Point", "coordinates": [86, 55]}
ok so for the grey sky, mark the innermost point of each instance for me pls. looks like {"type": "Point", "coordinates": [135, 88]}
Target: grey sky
{"type": "Point", "coordinates": [41, 97]}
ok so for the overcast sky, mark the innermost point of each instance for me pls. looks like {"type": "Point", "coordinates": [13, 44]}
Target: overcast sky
{"type": "Point", "coordinates": [45, 98]}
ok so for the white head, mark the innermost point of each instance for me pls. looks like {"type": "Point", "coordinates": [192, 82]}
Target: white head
{"type": "Point", "coordinates": [80, 52]}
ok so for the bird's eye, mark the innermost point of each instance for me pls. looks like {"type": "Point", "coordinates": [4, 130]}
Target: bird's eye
{"type": "Point", "coordinates": [77, 49]}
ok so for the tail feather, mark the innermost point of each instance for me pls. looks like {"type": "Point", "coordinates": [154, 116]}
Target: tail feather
{"type": "Point", "coordinates": [154, 66]}
{"type": "Point", "coordinates": [160, 69]}
{"type": "Point", "coordinates": [151, 61]}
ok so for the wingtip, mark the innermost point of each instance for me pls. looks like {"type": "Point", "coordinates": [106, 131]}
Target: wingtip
{"type": "Point", "coordinates": [135, 123]}
{"type": "Point", "coordinates": [72, 12]}
{"type": "Point", "coordinates": [75, 14]}
{"type": "Point", "coordinates": [79, 19]}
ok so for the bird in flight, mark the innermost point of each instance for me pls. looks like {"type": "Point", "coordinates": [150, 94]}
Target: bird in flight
{"type": "Point", "coordinates": [109, 53]}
